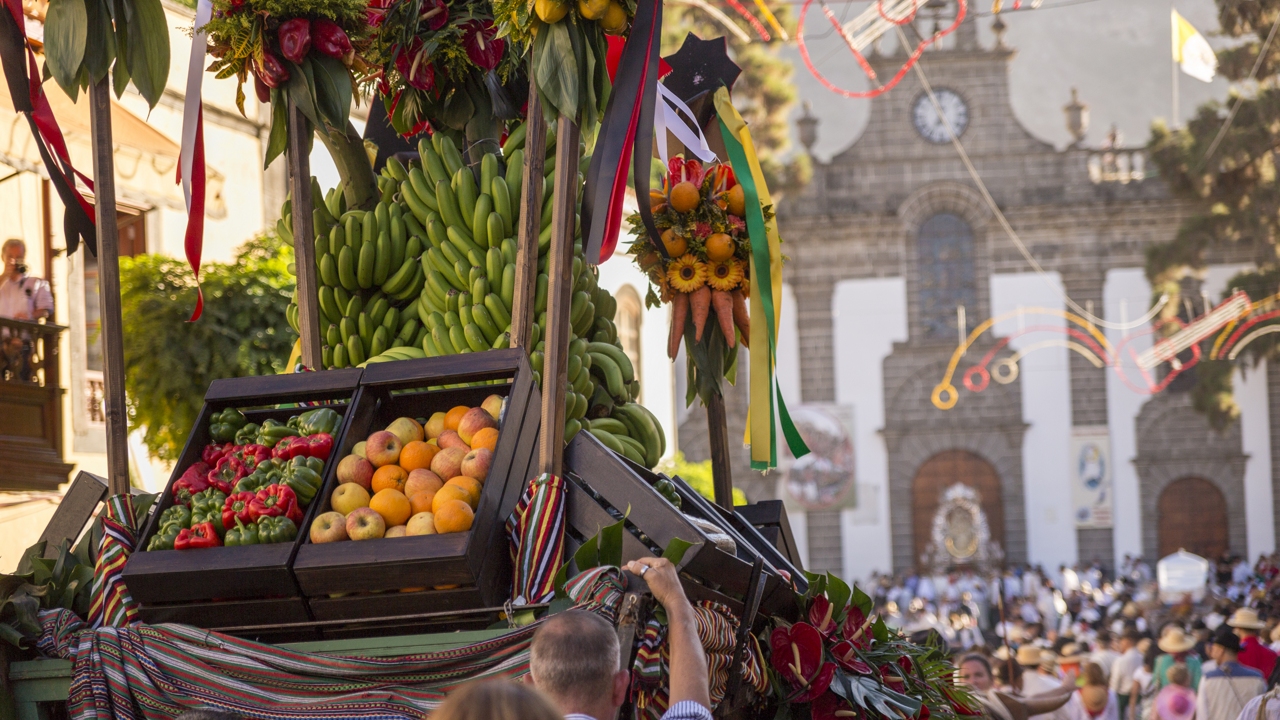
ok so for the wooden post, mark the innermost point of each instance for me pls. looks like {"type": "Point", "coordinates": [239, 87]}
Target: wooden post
{"type": "Point", "coordinates": [104, 198]}
{"type": "Point", "coordinates": [555, 368]}
{"type": "Point", "coordinates": [718, 434]}
{"type": "Point", "coordinates": [535, 141]}
{"type": "Point", "coordinates": [304, 236]}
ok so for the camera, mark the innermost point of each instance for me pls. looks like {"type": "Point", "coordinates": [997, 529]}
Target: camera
{"type": "Point", "coordinates": [21, 268]}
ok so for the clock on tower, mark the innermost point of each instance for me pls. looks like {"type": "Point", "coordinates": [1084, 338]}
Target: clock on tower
{"type": "Point", "coordinates": [930, 124]}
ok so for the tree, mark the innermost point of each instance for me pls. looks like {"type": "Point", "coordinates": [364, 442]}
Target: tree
{"type": "Point", "coordinates": [764, 93]}
{"type": "Point", "coordinates": [1233, 179]}
{"type": "Point", "coordinates": [169, 362]}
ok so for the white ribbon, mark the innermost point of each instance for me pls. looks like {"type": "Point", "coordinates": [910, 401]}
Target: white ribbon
{"type": "Point", "coordinates": [666, 116]}
{"type": "Point", "coordinates": [191, 103]}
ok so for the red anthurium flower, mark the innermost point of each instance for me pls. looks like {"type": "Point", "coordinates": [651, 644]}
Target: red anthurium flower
{"type": "Point", "coordinates": [482, 44]}
{"type": "Point", "coordinates": [844, 654]}
{"type": "Point", "coordinates": [434, 13]}
{"type": "Point", "coordinates": [415, 67]}
{"type": "Point", "coordinates": [829, 706]}
{"type": "Point", "coordinates": [295, 39]}
{"type": "Point", "coordinates": [907, 667]}
{"type": "Point", "coordinates": [821, 611]}
{"type": "Point", "coordinates": [272, 71]}
{"type": "Point", "coordinates": [375, 13]}
{"type": "Point", "coordinates": [924, 712]}
{"type": "Point", "coordinates": [857, 628]}
{"type": "Point", "coordinates": [332, 40]}
{"type": "Point", "coordinates": [680, 170]}
{"type": "Point", "coordinates": [797, 656]}
{"type": "Point", "coordinates": [889, 675]}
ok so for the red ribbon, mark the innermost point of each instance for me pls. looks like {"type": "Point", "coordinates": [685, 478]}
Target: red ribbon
{"type": "Point", "coordinates": [193, 240]}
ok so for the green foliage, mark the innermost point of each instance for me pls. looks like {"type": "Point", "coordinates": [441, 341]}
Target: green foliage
{"type": "Point", "coordinates": [1235, 187]}
{"type": "Point", "coordinates": [169, 362]}
{"type": "Point", "coordinates": [697, 475]}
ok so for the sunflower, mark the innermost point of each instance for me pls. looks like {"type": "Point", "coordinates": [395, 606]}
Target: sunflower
{"type": "Point", "coordinates": [686, 273]}
{"type": "Point", "coordinates": [724, 275]}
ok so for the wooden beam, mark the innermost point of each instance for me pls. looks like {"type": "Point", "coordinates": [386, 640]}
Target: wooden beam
{"type": "Point", "coordinates": [535, 142]}
{"type": "Point", "coordinates": [721, 468]}
{"type": "Point", "coordinates": [555, 368]}
{"type": "Point", "coordinates": [104, 198]}
{"type": "Point", "coordinates": [304, 248]}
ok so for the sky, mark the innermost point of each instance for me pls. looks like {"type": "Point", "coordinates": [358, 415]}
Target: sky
{"type": "Point", "coordinates": [1116, 52]}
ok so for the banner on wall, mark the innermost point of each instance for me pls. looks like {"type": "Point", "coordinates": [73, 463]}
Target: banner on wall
{"type": "Point", "coordinates": [825, 478]}
{"type": "Point", "coordinates": [1091, 489]}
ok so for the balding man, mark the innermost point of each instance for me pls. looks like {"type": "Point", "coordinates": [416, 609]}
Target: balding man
{"type": "Point", "coordinates": [575, 659]}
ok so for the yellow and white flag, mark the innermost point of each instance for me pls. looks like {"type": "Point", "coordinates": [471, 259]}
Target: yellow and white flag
{"type": "Point", "coordinates": [1191, 51]}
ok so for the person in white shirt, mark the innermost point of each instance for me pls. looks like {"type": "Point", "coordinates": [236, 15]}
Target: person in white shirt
{"type": "Point", "coordinates": [1102, 653]}
{"type": "Point", "coordinates": [1129, 662]}
{"type": "Point", "coordinates": [21, 298]}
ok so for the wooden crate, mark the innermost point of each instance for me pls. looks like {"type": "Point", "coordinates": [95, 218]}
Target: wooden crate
{"type": "Point", "coordinates": [604, 486]}
{"type": "Point", "coordinates": [355, 580]}
{"type": "Point", "coordinates": [769, 517]}
{"type": "Point", "coordinates": [219, 587]}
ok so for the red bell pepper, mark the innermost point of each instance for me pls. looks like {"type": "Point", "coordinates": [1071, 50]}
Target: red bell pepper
{"type": "Point", "coordinates": [251, 455]}
{"type": "Point", "coordinates": [236, 508]}
{"type": "Point", "coordinates": [319, 445]}
{"type": "Point", "coordinates": [197, 537]}
{"type": "Point", "coordinates": [228, 472]}
{"type": "Point", "coordinates": [290, 448]}
{"type": "Point", "coordinates": [275, 501]}
{"type": "Point", "coordinates": [213, 452]}
{"type": "Point", "coordinates": [192, 481]}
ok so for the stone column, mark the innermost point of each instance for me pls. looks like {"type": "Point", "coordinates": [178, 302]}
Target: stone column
{"type": "Point", "coordinates": [817, 384]}
{"type": "Point", "coordinates": [1273, 413]}
{"type": "Point", "coordinates": [1089, 404]}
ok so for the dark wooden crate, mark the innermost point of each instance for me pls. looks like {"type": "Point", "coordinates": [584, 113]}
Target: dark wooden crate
{"type": "Point", "coordinates": [477, 560]}
{"type": "Point", "coordinates": [770, 518]}
{"type": "Point", "coordinates": [604, 486]}
{"type": "Point", "coordinates": [187, 586]}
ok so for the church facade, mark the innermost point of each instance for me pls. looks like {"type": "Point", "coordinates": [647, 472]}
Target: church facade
{"type": "Point", "coordinates": [986, 420]}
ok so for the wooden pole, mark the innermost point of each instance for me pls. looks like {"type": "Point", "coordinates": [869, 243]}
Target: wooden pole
{"type": "Point", "coordinates": [304, 249]}
{"type": "Point", "coordinates": [104, 198]}
{"type": "Point", "coordinates": [718, 435]}
{"type": "Point", "coordinates": [555, 375]}
{"type": "Point", "coordinates": [535, 141]}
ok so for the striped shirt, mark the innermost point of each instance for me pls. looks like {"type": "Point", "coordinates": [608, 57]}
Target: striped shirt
{"type": "Point", "coordinates": [683, 710]}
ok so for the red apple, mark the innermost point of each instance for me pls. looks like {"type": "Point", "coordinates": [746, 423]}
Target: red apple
{"type": "Point", "coordinates": [329, 527]}
{"type": "Point", "coordinates": [474, 421]}
{"type": "Point", "coordinates": [365, 524]}
{"type": "Point", "coordinates": [355, 469]}
{"type": "Point", "coordinates": [476, 463]}
{"type": "Point", "coordinates": [451, 439]}
{"type": "Point", "coordinates": [493, 406]}
{"type": "Point", "coordinates": [382, 448]}
{"type": "Point", "coordinates": [447, 463]}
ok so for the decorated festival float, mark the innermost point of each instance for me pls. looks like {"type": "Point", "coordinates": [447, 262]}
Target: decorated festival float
{"type": "Point", "coordinates": [461, 453]}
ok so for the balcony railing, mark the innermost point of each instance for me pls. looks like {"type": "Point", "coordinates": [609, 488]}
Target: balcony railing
{"type": "Point", "coordinates": [1117, 166]}
{"type": "Point", "coordinates": [30, 406]}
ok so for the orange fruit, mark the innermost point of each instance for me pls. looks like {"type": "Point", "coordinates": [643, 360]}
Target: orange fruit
{"type": "Point", "coordinates": [675, 245]}
{"type": "Point", "coordinates": [389, 476]}
{"type": "Point", "coordinates": [657, 201]}
{"type": "Point", "coordinates": [685, 197]}
{"type": "Point", "coordinates": [454, 416]}
{"type": "Point", "coordinates": [454, 516]}
{"type": "Point", "coordinates": [392, 505]}
{"type": "Point", "coordinates": [450, 492]}
{"type": "Point", "coordinates": [417, 454]}
{"type": "Point", "coordinates": [736, 200]}
{"type": "Point", "coordinates": [420, 480]}
{"type": "Point", "coordinates": [485, 438]}
{"type": "Point", "coordinates": [471, 485]}
{"type": "Point", "coordinates": [719, 247]}
{"type": "Point", "coordinates": [421, 501]}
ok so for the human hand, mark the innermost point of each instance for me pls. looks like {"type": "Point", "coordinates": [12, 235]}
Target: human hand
{"type": "Point", "coordinates": [662, 579]}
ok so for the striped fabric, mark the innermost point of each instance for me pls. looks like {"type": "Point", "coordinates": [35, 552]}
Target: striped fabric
{"type": "Point", "coordinates": [717, 629]}
{"type": "Point", "coordinates": [157, 671]}
{"type": "Point", "coordinates": [111, 603]}
{"type": "Point", "coordinates": [536, 531]}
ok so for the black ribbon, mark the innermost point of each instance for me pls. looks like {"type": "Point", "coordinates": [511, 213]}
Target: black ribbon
{"type": "Point", "coordinates": [635, 84]}
{"type": "Point", "coordinates": [76, 224]}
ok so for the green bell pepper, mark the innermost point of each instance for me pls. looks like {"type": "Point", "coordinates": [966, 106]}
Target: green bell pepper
{"type": "Point", "coordinates": [224, 425]}
{"type": "Point", "coordinates": [320, 420]}
{"type": "Point", "coordinates": [206, 506]}
{"type": "Point", "coordinates": [276, 529]}
{"type": "Point", "coordinates": [302, 475]}
{"type": "Point", "coordinates": [179, 515]}
{"type": "Point", "coordinates": [273, 431]}
{"type": "Point", "coordinates": [247, 434]}
{"type": "Point", "coordinates": [165, 536]}
{"type": "Point", "coordinates": [242, 534]}
{"type": "Point", "coordinates": [267, 472]}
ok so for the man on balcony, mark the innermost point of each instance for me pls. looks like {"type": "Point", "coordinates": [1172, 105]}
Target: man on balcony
{"type": "Point", "coordinates": [22, 297]}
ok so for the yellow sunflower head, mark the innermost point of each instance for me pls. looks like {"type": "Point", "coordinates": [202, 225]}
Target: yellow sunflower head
{"type": "Point", "coordinates": [686, 273]}
{"type": "Point", "coordinates": [724, 275]}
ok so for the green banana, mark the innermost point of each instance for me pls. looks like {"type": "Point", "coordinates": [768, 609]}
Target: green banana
{"type": "Point", "coordinates": [502, 205]}
{"type": "Point", "coordinates": [399, 243]}
{"type": "Point", "coordinates": [607, 439]}
{"type": "Point", "coordinates": [379, 342]}
{"type": "Point", "coordinates": [328, 306]}
{"type": "Point", "coordinates": [417, 207]}
{"type": "Point", "coordinates": [365, 265]}
{"type": "Point", "coordinates": [464, 186]}
{"type": "Point", "coordinates": [488, 171]}
{"type": "Point", "coordinates": [619, 357]}
{"type": "Point", "coordinates": [515, 140]}
{"type": "Point", "coordinates": [494, 230]}
{"type": "Point", "coordinates": [432, 162]}
{"type": "Point", "coordinates": [459, 339]}
{"type": "Point", "coordinates": [500, 316]}
{"type": "Point", "coordinates": [609, 370]}
{"type": "Point", "coordinates": [347, 269]}
{"type": "Point", "coordinates": [515, 169]}
{"type": "Point", "coordinates": [493, 267]}
{"type": "Point", "coordinates": [440, 336]}
{"type": "Point", "coordinates": [485, 321]}
{"type": "Point", "coordinates": [355, 350]}
{"type": "Point", "coordinates": [480, 222]}
{"type": "Point", "coordinates": [450, 210]}
{"type": "Point", "coordinates": [449, 153]}
{"type": "Point", "coordinates": [401, 278]}
{"type": "Point", "coordinates": [339, 356]}
{"type": "Point", "coordinates": [329, 270]}
{"type": "Point", "coordinates": [508, 286]}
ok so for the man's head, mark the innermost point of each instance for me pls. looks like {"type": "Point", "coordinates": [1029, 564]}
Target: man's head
{"type": "Point", "coordinates": [1129, 639]}
{"type": "Point", "coordinates": [574, 661]}
{"type": "Point", "coordinates": [1225, 647]}
{"type": "Point", "coordinates": [14, 252]}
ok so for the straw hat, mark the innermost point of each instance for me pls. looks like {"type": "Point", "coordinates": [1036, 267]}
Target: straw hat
{"type": "Point", "coordinates": [1001, 653]}
{"type": "Point", "coordinates": [1246, 618]}
{"type": "Point", "coordinates": [1095, 698]}
{"type": "Point", "coordinates": [1176, 703]}
{"type": "Point", "coordinates": [1072, 654]}
{"type": "Point", "coordinates": [1175, 640]}
{"type": "Point", "coordinates": [1028, 656]}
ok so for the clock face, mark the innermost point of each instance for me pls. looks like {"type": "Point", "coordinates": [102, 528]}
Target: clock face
{"type": "Point", "coordinates": [927, 121]}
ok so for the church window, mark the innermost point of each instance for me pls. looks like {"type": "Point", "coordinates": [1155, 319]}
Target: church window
{"type": "Point", "coordinates": [945, 247]}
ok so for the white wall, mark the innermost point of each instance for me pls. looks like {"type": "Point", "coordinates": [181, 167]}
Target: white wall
{"type": "Point", "coordinates": [1045, 380]}
{"type": "Point", "coordinates": [868, 316]}
{"type": "Point", "coordinates": [1126, 297]}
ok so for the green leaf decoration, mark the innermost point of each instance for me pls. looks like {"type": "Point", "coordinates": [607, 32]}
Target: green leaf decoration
{"type": "Point", "coordinates": [66, 32]}
{"type": "Point", "coordinates": [300, 93]}
{"type": "Point", "coordinates": [611, 544]}
{"type": "Point", "coordinates": [861, 600]}
{"type": "Point", "coordinates": [333, 89]}
{"type": "Point", "coordinates": [838, 593]}
{"type": "Point", "coordinates": [588, 556]}
{"type": "Point", "coordinates": [676, 550]}
{"type": "Point", "coordinates": [148, 51]}
{"type": "Point", "coordinates": [100, 49]}
{"type": "Point", "coordinates": [278, 140]}
{"type": "Point", "coordinates": [120, 73]}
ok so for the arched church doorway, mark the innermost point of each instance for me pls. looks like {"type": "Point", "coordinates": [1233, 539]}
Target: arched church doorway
{"type": "Point", "coordinates": [1192, 514]}
{"type": "Point", "coordinates": [966, 488]}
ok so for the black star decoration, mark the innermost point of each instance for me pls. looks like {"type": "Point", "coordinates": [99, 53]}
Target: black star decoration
{"type": "Point", "coordinates": [700, 66]}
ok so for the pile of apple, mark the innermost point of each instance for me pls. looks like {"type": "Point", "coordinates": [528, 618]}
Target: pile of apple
{"type": "Point", "coordinates": [414, 477]}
